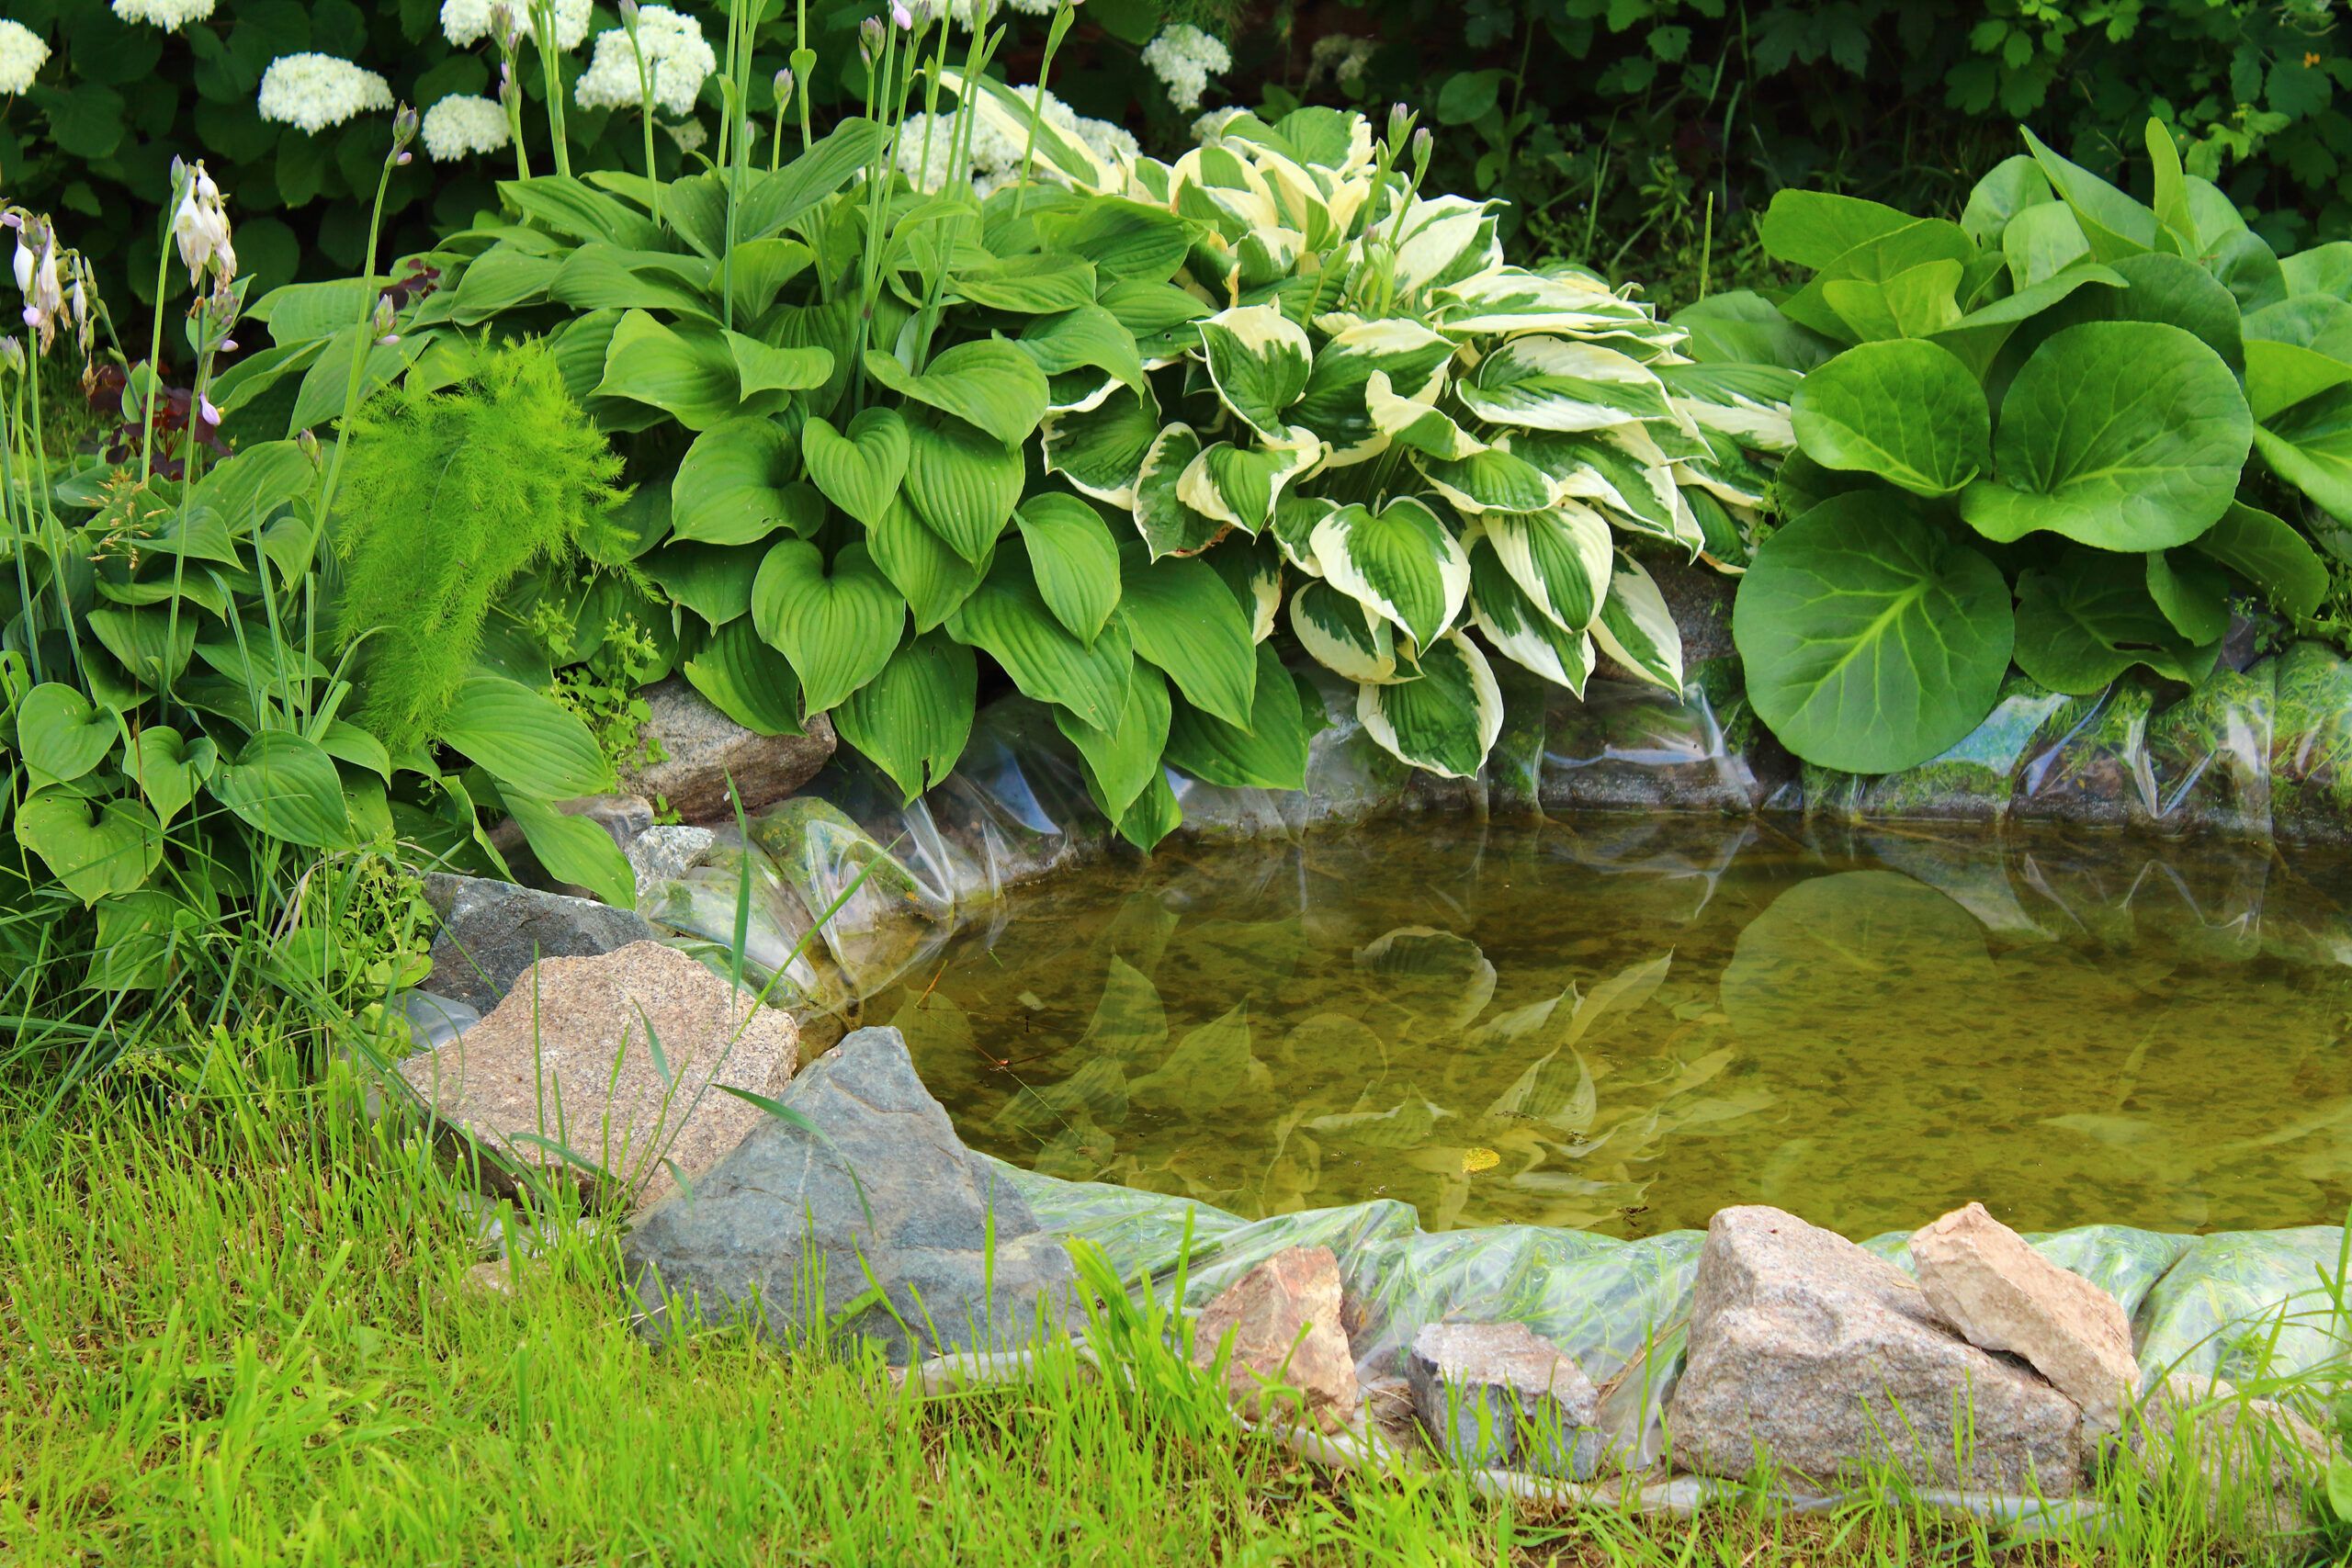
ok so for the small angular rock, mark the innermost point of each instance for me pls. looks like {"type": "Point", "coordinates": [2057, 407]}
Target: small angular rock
{"type": "Point", "coordinates": [1283, 1319]}
{"type": "Point", "coordinates": [1811, 1351]}
{"type": "Point", "coordinates": [661, 855]}
{"type": "Point", "coordinates": [702, 751]}
{"type": "Point", "coordinates": [1493, 1393]}
{"type": "Point", "coordinates": [1981, 1277]}
{"type": "Point", "coordinates": [491, 932]}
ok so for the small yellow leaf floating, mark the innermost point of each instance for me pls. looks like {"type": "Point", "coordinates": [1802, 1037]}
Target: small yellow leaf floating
{"type": "Point", "coordinates": [1477, 1160]}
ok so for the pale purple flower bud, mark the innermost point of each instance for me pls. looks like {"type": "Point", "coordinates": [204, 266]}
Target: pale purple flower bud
{"type": "Point", "coordinates": [784, 84]}
{"type": "Point", "coordinates": [404, 160]}
{"type": "Point", "coordinates": [210, 411]}
{"type": "Point", "coordinates": [228, 346]}
{"type": "Point", "coordinates": [902, 17]}
{"type": "Point", "coordinates": [1400, 120]}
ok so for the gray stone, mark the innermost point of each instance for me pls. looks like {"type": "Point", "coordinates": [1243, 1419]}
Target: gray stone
{"type": "Point", "coordinates": [1807, 1351]}
{"type": "Point", "coordinates": [491, 932]}
{"type": "Point", "coordinates": [882, 1187]}
{"type": "Point", "coordinates": [661, 855]}
{"type": "Point", "coordinates": [694, 751]}
{"type": "Point", "coordinates": [1493, 1393]}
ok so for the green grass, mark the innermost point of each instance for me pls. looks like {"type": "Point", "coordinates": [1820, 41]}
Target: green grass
{"type": "Point", "coordinates": [236, 1328]}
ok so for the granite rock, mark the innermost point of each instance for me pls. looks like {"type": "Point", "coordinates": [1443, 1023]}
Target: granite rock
{"type": "Point", "coordinates": [1493, 1393]}
{"type": "Point", "coordinates": [1290, 1355]}
{"type": "Point", "coordinates": [491, 931]}
{"type": "Point", "coordinates": [701, 750]}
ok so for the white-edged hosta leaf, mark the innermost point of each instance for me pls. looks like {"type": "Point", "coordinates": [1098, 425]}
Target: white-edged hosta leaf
{"type": "Point", "coordinates": [1549, 383]}
{"type": "Point", "coordinates": [1101, 450]}
{"type": "Point", "coordinates": [986, 382]}
{"type": "Point", "coordinates": [1259, 360]}
{"type": "Point", "coordinates": [1402, 563]}
{"type": "Point", "coordinates": [1075, 559]}
{"type": "Point", "coordinates": [1747, 402]}
{"type": "Point", "coordinates": [1492, 481]}
{"type": "Point", "coordinates": [1636, 630]}
{"type": "Point", "coordinates": [1334, 405]}
{"type": "Point", "coordinates": [1293, 529]}
{"type": "Point", "coordinates": [1006, 114]}
{"type": "Point", "coordinates": [1560, 559]}
{"type": "Point", "coordinates": [1340, 636]}
{"type": "Point", "coordinates": [1269, 753]}
{"type": "Point", "coordinates": [1087, 336]}
{"type": "Point", "coordinates": [1123, 758]}
{"type": "Point", "coordinates": [1007, 619]}
{"type": "Point", "coordinates": [1445, 240]}
{"type": "Point", "coordinates": [1253, 570]}
{"type": "Point", "coordinates": [1445, 719]}
{"type": "Point", "coordinates": [1184, 619]}
{"type": "Point", "coordinates": [859, 470]}
{"type": "Point", "coordinates": [963, 481]}
{"type": "Point", "coordinates": [1725, 471]}
{"type": "Point", "coordinates": [1511, 300]}
{"type": "Point", "coordinates": [1521, 632]}
{"type": "Point", "coordinates": [1621, 471]}
{"type": "Point", "coordinates": [1410, 423]}
{"type": "Point", "coordinates": [921, 566]}
{"type": "Point", "coordinates": [1167, 522]}
{"type": "Point", "coordinates": [838, 625]}
{"type": "Point", "coordinates": [913, 720]}
{"type": "Point", "coordinates": [1239, 485]}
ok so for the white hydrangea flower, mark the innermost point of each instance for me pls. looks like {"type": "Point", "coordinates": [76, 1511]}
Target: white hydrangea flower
{"type": "Point", "coordinates": [677, 61]}
{"type": "Point", "coordinates": [1111, 142]}
{"type": "Point", "coordinates": [468, 21]}
{"type": "Point", "coordinates": [1184, 58]}
{"type": "Point", "coordinates": [462, 126]}
{"type": "Point", "coordinates": [311, 92]}
{"type": "Point", "coordinates": [1036, 7]}
{"type": "Point", "coordinates": [168, 15]}
{"type": "Point", "coordinates": [1342, 56]}
{"type": "Point", "coordinates": [22, 54]}
{"type": "Point", "coordinates": [925, 165]}
{"type": "Point", "coordinates": [689, 134]}
{"type": "Point", "coordinates": [1209, 129]}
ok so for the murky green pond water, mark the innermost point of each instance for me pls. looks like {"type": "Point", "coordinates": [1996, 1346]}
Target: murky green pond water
{"type": "Point", "coordinates": [1624, 1025]}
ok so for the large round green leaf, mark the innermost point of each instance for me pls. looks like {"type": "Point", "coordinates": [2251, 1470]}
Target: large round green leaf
{"type": "Point", "coordinates": [62, 734]}
{"type": "Point", "coordinates": [913, 719]}
{"type": "Point", "coordinates": [1903, 410]}
{"type": "Point", "coordinates": [287, 788]}
{"type": "Point", "coordinates": [838, 625]}
{"type": "Point", "coordinates": [2129, 435]}
{"type": "Point", "coordinates": [2270, 553]}
{"type": "Point", "coordinates": [1872, 640]}
{"type": "Point", "coordinates": [2090, 617]}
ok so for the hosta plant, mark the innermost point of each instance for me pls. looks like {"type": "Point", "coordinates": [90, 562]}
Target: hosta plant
{"type": "Point", "coordinates": [2059, 431]}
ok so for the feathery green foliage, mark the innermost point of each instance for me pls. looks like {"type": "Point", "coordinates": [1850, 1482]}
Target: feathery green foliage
{"type": "Point", "coordinates": [451, 492]}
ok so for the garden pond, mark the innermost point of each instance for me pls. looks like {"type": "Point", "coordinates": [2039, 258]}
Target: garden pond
{"type": "Point", "coordinates": [1621, 1025]}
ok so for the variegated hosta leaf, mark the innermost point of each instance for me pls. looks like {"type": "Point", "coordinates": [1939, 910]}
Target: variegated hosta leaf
{"type": "Point", "coordinates": [1295, 516]}
{"type": "Point", "coordinates": [1101, 450]}
{"type": "Point", "coordinates": [1267, 255]}
{"type": "Point", "coordinates": [1339, 634]}
{"type": "Point", "coordinates": [1238, 485]}
{"type": "Point", "coordinates": [1445, 240]}
{"type": "Point", "coordinates": [1521, 632]}
{"type": "Point", "coordinates": [1216, 186]}
{"type": "Point", "coordinates": [1549, 383]}
{"type": "Point", "coordinates": [1169, 525]}
{"type": "Point", "coordinates": [1259, 360]}
{"type": "Point", "coordinates": [1635, 627]}
{"type": "Point", "coordinates": [1728, 545]}
{"type": "Point", "coordinates": [1334, 404]}
{"type": "Point", "coordinates": [1444, 720]}
{"type": "Point", "coordinates": [1511, 299]}
{"type": "Point", "coordinates": [1075, 392]}
{"type": "Point", "coordinates": [1253, 570]}
{"type": "Point", "coordinates": [1559, 559]}
{"type": "Point", "coordinates": [1492, 481]}
{"type": "Point", "coordinates": [1622, 472]}
{"type": "Point", "coordinates": [1402, 563]}
{"type": "Point", "coordinates": [1748, 403]}
{"type": "Point", "coordinates": [1060, 151]}
{"type": "Point", "coordinates": [1415, 423]}
{"type": "Point", "coordinates": [1727, 472]}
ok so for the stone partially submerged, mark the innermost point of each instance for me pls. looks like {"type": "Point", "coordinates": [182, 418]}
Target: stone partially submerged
{"type": "Point", "coordinates": [862, 1206]}
{"type": "Point", "coordinates": [1811, 1354]}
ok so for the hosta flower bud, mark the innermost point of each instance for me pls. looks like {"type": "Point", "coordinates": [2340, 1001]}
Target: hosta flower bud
{"type": "Point", "coordinates": [628, 13]}
{"type": "Point", "coordinates": [1422, 143]}
{"type": "Point", "coordinates": [305, 442]}
{"type": "Point", "coordinates": [1400, 121]}
{"type": "Point", "coordinates": [900, 16]}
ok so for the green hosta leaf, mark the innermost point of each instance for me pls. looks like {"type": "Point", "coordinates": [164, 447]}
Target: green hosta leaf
{"type": "Point", "coordinates": [989, 383]}
{"type": "Point", "coordinates": [1184, 619]}
{"type": "Point", "coordinates": [701, 376]}
{"type": "Point", "coordinates": [1270, 752]}
{"type": "Point", "coordinates": [838, 626]}
{"type": "Point", "coordinates": [964, 482]}
{"type": "Point", "coordinates": [747, 680]}
{"type": "Point", "coordinates": [1636, 630]}
{"type": "Point", "coordinates": [1008, 620]}
{"type": "Point", "coordinates": [1075, 559]}
{"type": "Point", "coordinates": [922, 565]}
{"type": "Point", "coordinates": [2269, 553]}
{"type": "Point", "coordinates": [524, 739]}
{"type": "Point", "coordinates": [736, 485]}
{"type": "Point", "coordinates": [599, 277]}
{"type": "Point", "coordinates": [1341, 636]}
{"type": "Point", "coordinates": [2193, 593]}
{"type": "Point", "coordinates": [60, 735]}
{"type": "Point", "coordinates": [762, 368]}
{"type": "Point", "coordinates": [1240, 485]}
{"type": "Point", "coordinates": [1169, 525]}
{"type": "Point", "coordinates": [1904, 411]}
{"type": "Point", "coordinates": [1547, 383]}
{"type": "Point", "coordinates": [1123, 759]}
{"type": "Point", "coordinates": [287, 787]}
{"type": "Point", "coordinates": [1492, 481]}
{"type": "Point", "coordinates": [496, 281]}
{"type": "Point", "coordinates": [1089, 336]}
{"type": "Point", "coordinates": [1161, 315]}
{"type": "Point", "coordinates": [346, 742]}
{"type": "Point", "coordinates": [1259, 360]}
{"type": "Point", "coordinates": [1401, 563]}
{"type": "Point", "coordinates": [568, 206]}
{"type": "Point", "coordinates": [1872, 640]}
{"type": "Point", "coordinates": [859, 470]}
{"type": "Point", "coordinates": [2084, 622]}
{"type": "Point", "coordinates": [2125, 434]}
{"type": "Point", "coordinates": [168, 769]}
{"type": "Point", "coordinates": [1560, 559]}
{"type": "Point", "coordinates": [1333, 404]}
{"type": "Point", "coordinates": [1101, 450]}
{"type": "Point", "coordinates": [254, 481]}
{"type": "Point", "coordinates": [1037, 284]}
{"type": "Point", "coordinates": [2115, 225]}
{"type": "Point", "coordinates": [1124, 239]}
{"type": "Point", "coordinates": [1519, 628]}
{"type": "Point", "coordinates": [713, 580]}
{"type": "Point", "coordinates": [93, 848]}
{"type": "Point", "coordinates": [1153, 817]}
{"type": "Point", "coordinates": [575, 850]}
{"type": "Point", "coordinates": [914, 718]}
{"type": "Point", "coordinates": [1445, 720]}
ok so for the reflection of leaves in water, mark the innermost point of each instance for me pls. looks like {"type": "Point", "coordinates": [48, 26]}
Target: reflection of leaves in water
{"type": "Point", "coordinates": [1130, 1026]}
{"type": "Point", "coordinates": [1209, 1069]}
{"type": "Point", "coordinates": [1442, 980]}
{"type": "Point", "coordinates": [1842, 957]}
{"type": "Point", "coordinates": [1402, 1126]}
